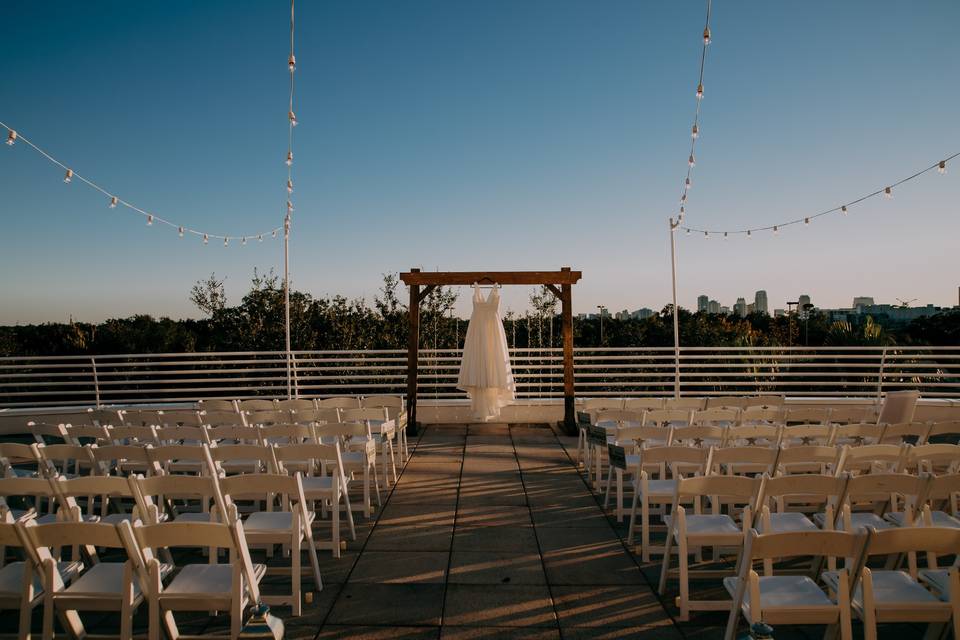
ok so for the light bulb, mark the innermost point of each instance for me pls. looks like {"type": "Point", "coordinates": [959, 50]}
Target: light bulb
{"type": "Point", "coordinates": [226, 241]}
{"type": "Point", "coordinates": [244, 241]}
{"type": "Point", "coordinates": [700, 91]}
{"type": "Point", "coordinates": [776, 231]}
{"type": "Point", "coordinates": [289, 206]}
{"type": "Point", "coordinates": [180, 231]}
{"type": "Point", "coordinates": [293, 118]}
{"type": "Point", "coordinates": [724, 235]}
{"type": "Point", "coordinates": [682, 211]}
{"type": "Point", "coordinates": [113, 202]}
{"type": "Point", "coordinates": [691, 160]}
{"type": "Point", "coordinates": [289, 158]}
{"type": "Point", "coordinates": [260, 238]}
{"type": "Point", "coordinates": [749, 233]}
{"type": "Point", "coordinates": [289, 186]}
{"type": "Point", "coordinates": [292, 63]}
{"type": "Point", "coordinates": [206, 239]}
{"type": "Point", "coordinates": [68, 177]}
{"type": "Point", "coordinates": [149, 220]}
{"type": "Point", "coordinates": [843, 209]}
{"type": "Point", "coordinates": [941, 168]}
{"type": "Point", "coordinates": [274, 233]}
{"type": "Point", "coordinates": [683, 198]}
{"type": "Point", "coordinates": [688, 231]}
{"type": "Point", "coordinates": [687, 184]}
{"type": "Point", "coordinates": [806, 221]}
{"type": "Point", "coordinates": [706, 234]}
{"type": "Point", "coordinates": [11, 137]}
{"type": "Point", "coordinates": [706, 36]}
{"type": "Point", "coordinates": [888, 193]}
{"type": "Point", "coordinates": [695, 132]}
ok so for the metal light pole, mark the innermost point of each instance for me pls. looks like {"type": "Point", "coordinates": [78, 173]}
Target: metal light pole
{"type": "Point", "coordinates": [601, 308]}
{"type": "Point", "coordinates": [676, 317]}
{"type": "Point", "coordinates": [790, 322]}
{"type": "Point", "coordinates": [286, 302]}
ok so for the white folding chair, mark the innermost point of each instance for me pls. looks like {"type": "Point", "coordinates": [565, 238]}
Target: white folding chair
{"type": "Point", "coordinates": [857, 434]}
{"type": "Point", "coordinates": [905, 433]}
{"type": "Point", "coordinates": [694, 531]}
{"type": "Point", "coordinates": [381, 429]}
{"type": "Point", "coordinates": [339, 402]}
{"type": "Point", "coordinates": [872, 458]}
{"type": "Point", "coordinates": [397, 412]}
{"type": "Point", "coordinates": [806, 415]}
{"type": "Point", "coordinates": [819, 459]}
{"type": "Point", "coordinates": [362, 461]}
{"type": "Point", "coordinates": [290, 526]}
{"type": "Point", "coordinates": [878, 500]}
{"type": "Point", "coordinates": [747, 460]}
{"type": "Point", "coordinates": [793, 599]}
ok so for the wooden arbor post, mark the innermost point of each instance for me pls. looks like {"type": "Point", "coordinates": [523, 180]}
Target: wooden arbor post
{"type": "Point", "coordinates": [560, 283]}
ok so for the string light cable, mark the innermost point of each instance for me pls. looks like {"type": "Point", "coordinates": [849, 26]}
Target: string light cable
{"type": "Point", "coordinates": [695, 129]}
{"type": "Point", "coordinates": [843, 209]}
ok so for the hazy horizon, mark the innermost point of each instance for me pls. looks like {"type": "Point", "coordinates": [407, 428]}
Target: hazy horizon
{"type": "Point", "coordinates": [468, 136]}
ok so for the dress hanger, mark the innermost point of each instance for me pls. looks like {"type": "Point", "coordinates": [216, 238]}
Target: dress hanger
{"type": "Point", "coordinates": [490, 283]}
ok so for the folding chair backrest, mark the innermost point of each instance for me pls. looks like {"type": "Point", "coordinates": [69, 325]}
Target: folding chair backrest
{"type": "Point", "coordinates": [687, 458]}
{"type": "Point", "coordinates": [285, 434]}
{"type": "Point", "coordinates": [64, 458]}
{"type": "Point", "coordinates": [119, 458]}
{"type": "Point", "coordinates": [666, 417]}
{"type": "Point", "coordinates": [877, 487]}
{"type": "Point", "coordinates": [716, 416]}
{"type": "Point", "coordinates": [594, 405]}
{"type": "Point", "coordinates": [944, 431]}
{"type": "Point", "coordinates": [217, 418]}
{"type": "Point", "coordinates": [342, 429]}
{"type": "Point", "coordinates": [296, 404]}
{"type": "Point", "coordinates": [84, 434]}
{"type": "Point", "coordinates": [898, 406]}
{"type": "Point", "coordinates": [271, 416]}
{"type": "Point", "coordinates": [382, 401]}
{"type": "Point", "coordinates": [618, 417]}
{"type": "Point", "coordinates": [944, 487]}
{"type": "Point", "coordinates": [643, 404]}
{"type": "Point", "coordinates": [339, 402]}
{"type": "Point", "coordinates": [905, 432]}
{"type": "Point", "coordinates": [318, 454]}
{"type": "Point", "coordinates": [806, 415]}
{"type": "Point", "coordinates": [363, 415]}
{"type": "Point", "coordinates": [188, 418]}
{"type": "Point", "coordinates": [15, 453]}
{"type": "Point", "coordinates": [641, 435]}
{"type": "Point", "coordinates": [740, 489]}
{"type": "Point", "coordinates": [244, 453]}
{"type": "Point", "coordinates": [806, 457]}
{"type": "Point", "coordinates": [753, 415]}
{"type": "Point", "coordinates": [807, 434]}
{"type": "Point", "coordinates": [896, 542]}
{"type": "Point", "coordinates": [699, 436]}
{"type": "Point", "coordinates": [326, 414]}
{"type": "Point", "coordinates": [687, 404]}
{"type": "Point", "coordinates": [725, 402]}
{"type": "Point", "coordinates": [217, 405]}
{"type": "Point", "coordinates": [257, 404]}
{"type": "Point", "coordinates": [141, 417]}
{"type": "Point", "coordinates": [31, 430]}
{"type": "Point", "coordinates": [797, 544]}
{"type": "Point", "coordinates": [184, 434]}
{"type": "Point", "coordinates": [765, 401]}
{"type": "Point", "coordinates": [762, 435]}
{"type": "Point", "coordinates": [234, 434]}
{"type": "Point", "coordinates": [164, 455]}
{"type": "Point", "coordinates": [105, 487]}
{"type": "Point", "coordinates": [932, 458]}
{"type": "Point", "coordinates": [807, 488]}
{"type": "Point", "coordinates": [736, 460]}
{"type": "Point", "coordinates": [132, 434]}
{"type": "Point", "coordinates": [872, 457]}
{"type": "Point", "coordinates": [151, 493]}
{"type": "Point", "coordinates": [36, 489]}
{"type": "Point", "coordinates": [847, 414]}
{"type": "Point", "coordinates": [857, 433]}
{"type": "Point", "coordinates": [55, 535]}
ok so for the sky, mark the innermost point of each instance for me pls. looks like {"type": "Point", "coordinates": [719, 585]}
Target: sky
{"type": "Point", "coordinates": [493, 135]}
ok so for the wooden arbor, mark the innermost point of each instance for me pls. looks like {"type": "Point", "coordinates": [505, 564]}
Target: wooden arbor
{"type": "Point", "coordinates": [422, 283]}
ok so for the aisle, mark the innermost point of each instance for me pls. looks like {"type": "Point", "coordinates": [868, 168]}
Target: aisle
{"type": "Point", "coordinates": [490, 532]}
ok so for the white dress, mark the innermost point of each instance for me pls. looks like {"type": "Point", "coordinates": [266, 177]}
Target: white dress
{"type": "Point", "coordinates": [485, 372]}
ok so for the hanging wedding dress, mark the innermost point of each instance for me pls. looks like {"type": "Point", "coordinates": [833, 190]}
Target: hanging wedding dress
{"type": "Point", "coordinates": [485, 372]}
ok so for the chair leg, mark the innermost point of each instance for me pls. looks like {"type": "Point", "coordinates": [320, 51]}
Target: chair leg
{"type": "Point", "coordinates": [619, 495]}
{"type": "Point", "coordinates": [346, 500]}
{"type": "Point", "coordinates": [393, 462]}
{"type": "Point", "coordinates": [295, 577]}
{"type": "Point", "coordinates": [684, 585]}
{"type": "Point", "coordinates": [335, 523]}
{"type": "Point", "coordinates": [645, 531]}
{"type": "Point", "coordinates": [606, 491]}
{"type": "Point", "coordinates": [314, 561]}
{"type": "Point", "coordinates": [633, 516]}
{"type": "Point", "coordinates": [368, 508]}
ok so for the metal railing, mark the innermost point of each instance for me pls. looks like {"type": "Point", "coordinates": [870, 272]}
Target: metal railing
{"type": "Point", "coordinates": [641, 371]}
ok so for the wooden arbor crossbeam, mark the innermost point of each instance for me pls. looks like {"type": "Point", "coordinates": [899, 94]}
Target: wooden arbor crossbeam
{"type": "Point", "coordinates": [421, 283]}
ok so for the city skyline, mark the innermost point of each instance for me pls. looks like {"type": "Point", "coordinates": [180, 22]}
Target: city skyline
{"type": "Point", "coordinates": [442, 136]}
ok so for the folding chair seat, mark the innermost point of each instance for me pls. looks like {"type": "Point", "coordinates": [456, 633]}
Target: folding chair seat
{"type": "Point", "coordinates": [654, 493]}
{"type": "Point", "coordinates": [194, 587]}
{"type": "Point", "coordinates": [897, 595]}
{"type": "Point", "coordinates": [291, 526]}
{"type": "Point", "coordinates": [330, 490]}
{"type": "Point", "coordinates": [793, 599]}
{"type": "Point", "coordinates": [694, 531]}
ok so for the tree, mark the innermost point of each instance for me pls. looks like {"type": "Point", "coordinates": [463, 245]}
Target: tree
{"type": "Point", "coordinates": [209, 295]}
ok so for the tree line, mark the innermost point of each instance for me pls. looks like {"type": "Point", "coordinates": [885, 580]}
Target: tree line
{"type": "Point", "coordinates": [339, 323]}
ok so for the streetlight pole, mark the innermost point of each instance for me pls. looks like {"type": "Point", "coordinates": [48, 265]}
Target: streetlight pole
{"type": "Point", "coordinates": [790, 322]}
{"type": "Point", "coordinates": [676, 317]}
{"type": "Point", "coordinates": [601, 309]}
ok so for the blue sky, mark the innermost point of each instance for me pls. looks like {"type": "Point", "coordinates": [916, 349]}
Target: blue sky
{"type": "Point", "coordinates": [477, 135]}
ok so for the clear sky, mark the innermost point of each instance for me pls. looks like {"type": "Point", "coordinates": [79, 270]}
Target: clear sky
{"type": "Point", "coordinates": [486, 134]}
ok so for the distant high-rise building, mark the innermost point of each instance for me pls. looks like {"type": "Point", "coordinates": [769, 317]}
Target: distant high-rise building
{"type": "Point", "coordinates": [724, 310]}
{"type": "Point", "coordinates": [644, 313]}
{"type": "Point", "coordinates": [862, 301]}
{"type": "Point", "coordinates": [703, 303]}
{"type": "Point", "coordinates": [803, 300]}
{"type": "Point", "coordinates": [713, 306]}
{"type": "Point", "coordinates": [779, 313]}
{"type": "Point", "coordinates": [760, 302]}
{"type": "Point", "coordinates": [740, 308]}
{"type": "Point", "coordinates": [751, 307]}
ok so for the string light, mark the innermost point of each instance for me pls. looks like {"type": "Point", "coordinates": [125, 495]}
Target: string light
{"type": "Point", "coordinates": [113, 201]}
{"type": "Point", "coordinates": [289, 158]}
{"type": "Point", "coordinates": [206, 239]}
{"type": "Point", "coordinates": [226, 241]}
{"type": "Point", "coordinates": [843, 209]}
{"type": "Point", "coordinates": [274, 233]}
{"type": "Point", "coordinates": [706, 234]}
{"type": "Point", "coordinates": [244, 241]}
{"type": "Point", "coordinates": [292, 63]}
{"type": "Point", "coordinates": [724, 235]}
{"type": "Point", "coordinates": [293, 119]}
{"type": "Point", "coordinates": [259, 238]}
{"type": "Point", "coordinates": [695, 127]}
{"type": "Point", "coordinates": [289, 186]}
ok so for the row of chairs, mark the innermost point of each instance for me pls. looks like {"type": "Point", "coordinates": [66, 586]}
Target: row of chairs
{"type": "Point", "coordinates": [119, 566]}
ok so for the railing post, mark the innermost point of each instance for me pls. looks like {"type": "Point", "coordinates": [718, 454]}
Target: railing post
{"type": "Point", "coordinates": [96, 381]}
{"type": "Point", "coordinates": [296, 379]}
{"type": "Point", "coordinates": [883, 365]}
